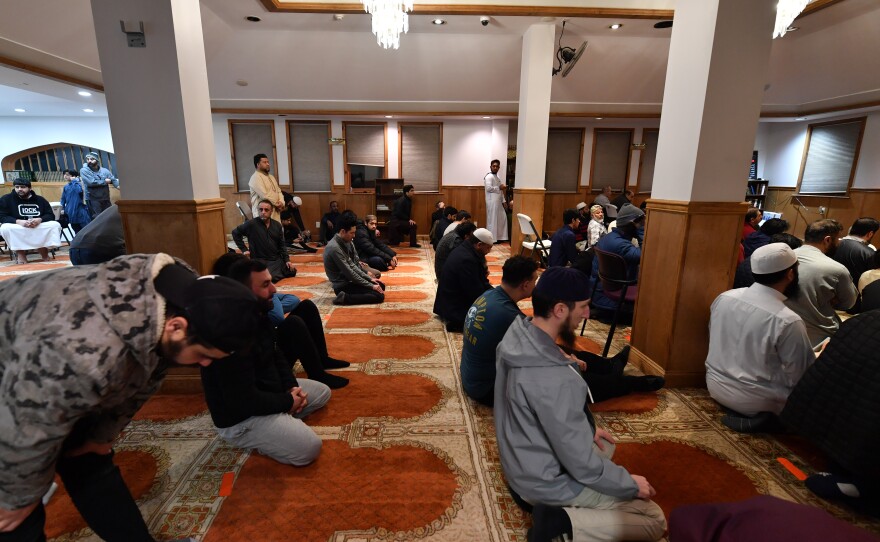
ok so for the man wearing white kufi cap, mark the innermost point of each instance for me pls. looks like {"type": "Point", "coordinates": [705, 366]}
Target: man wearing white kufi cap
{"type": "Point", "coordinates": [463, 279]}
{"type": "Point", "coordinates": [758, 348]}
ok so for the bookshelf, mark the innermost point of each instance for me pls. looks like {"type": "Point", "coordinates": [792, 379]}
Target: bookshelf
{"type": "Point", "coordinates": [387, 191]}
{"type": "Point", "coordinates": [756, 192]}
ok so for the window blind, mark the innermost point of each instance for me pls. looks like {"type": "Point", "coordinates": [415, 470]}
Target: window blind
{"type": "Point", "coordinates": [249, 139]}
{"type": "Point", "coordinates": [611, 159]}
{"type": "Point", "coordinates": [420, 156]}
{"type": "Point", "coordinates": [365, 144]}
{"type": "Point", "coordinates": [830, 158]}
{"type": "Point", "coordinates": [563, 160]}
{"type": "Point", "coordinates": [649, 158]}
{"type": "Point", "coordinates": [310, 156]}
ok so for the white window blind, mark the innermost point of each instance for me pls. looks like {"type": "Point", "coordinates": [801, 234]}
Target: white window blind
{"type": "Point", "coordinates": [564, 153]}
{"type": "Point", "coordinates": [310, 156]}
{"type": "Point", "coordinates": [649, 157]}
{"type": "Point", "coordinates": [420, 156]}
{"type": "Point", "coordinates": [365, 144]}
{"type": "Point", "coordinates": [831, 157]}
{"type": "Point", "coordinates": [611, 159]}
{"type": "Point", "coordinates": [249, 139]}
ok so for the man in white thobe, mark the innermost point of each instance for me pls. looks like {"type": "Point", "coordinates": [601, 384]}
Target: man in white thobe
{"type": "Point", "coordinates": [496, 216]}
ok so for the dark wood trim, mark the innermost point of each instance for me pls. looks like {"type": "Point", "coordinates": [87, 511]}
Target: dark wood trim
{"type": "Point", "coordinates": [347, 173]}
{"type": "Point", "coordinates": [699, 207]}
{"type": "Point", "coordinates": [271, 123]}
{"type": "Point", "coordinates": [287, 136]}
{"type": "Point", "coordinates": [591, 189]}
{"type": "Point", "coordinates": [852, 172]}
{"type": "Point", "coordinates": [818, 5]}
{"type": "Point", "coordinates": [461, 9]}
{"type": "Point", "coordinates": [373, 113]}
{"type": "Point", "coordinates": [51, 74]}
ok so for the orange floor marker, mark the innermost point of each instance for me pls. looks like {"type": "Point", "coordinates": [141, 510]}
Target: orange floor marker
{"type": "Point", "coordinates": [798, 473]}
{"type": "Point", "coordinates": [226, 484]}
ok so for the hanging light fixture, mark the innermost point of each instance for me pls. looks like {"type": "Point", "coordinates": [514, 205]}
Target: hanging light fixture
{"type": "Point", "coordinates": [786, 12]}
{"type": "Point", "coordinates": [389, 20]}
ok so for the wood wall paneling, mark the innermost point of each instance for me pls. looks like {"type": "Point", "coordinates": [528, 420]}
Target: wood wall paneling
{"type": "Point", "coordinates": [860, 203]}
{"type": "Point", "coordinates": [529, 201]}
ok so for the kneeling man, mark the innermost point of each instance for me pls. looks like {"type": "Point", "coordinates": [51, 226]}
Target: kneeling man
{"type": "Point", "coordinates": [552, 454]}
{"type": "Point", "coordinates": [758, 347]}
{"type": "Point", "coordinates": [28, 222]}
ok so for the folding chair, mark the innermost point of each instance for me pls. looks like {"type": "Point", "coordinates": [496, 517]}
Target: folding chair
{"type": "Point", "coordinates": [245, 212]}
{"type": "Point", "coordinates": [616, 287]}
{"type": "Point", "coordinates": [527, 227]}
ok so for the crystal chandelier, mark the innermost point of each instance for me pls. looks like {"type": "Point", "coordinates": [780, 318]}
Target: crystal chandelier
{"type": "Point", "coordinates": [389, 20]}
{"type": "Point", "coordinates": [786, 12]}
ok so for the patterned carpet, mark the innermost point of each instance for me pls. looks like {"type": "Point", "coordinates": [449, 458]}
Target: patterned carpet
{"type": "Point", "coordinates": [406, 456]}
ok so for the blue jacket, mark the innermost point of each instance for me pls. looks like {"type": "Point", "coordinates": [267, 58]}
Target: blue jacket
{"type": "Point", "coordinates": [73, 203]}
{"type": "Point", "coordinates": [754, 241]}
{"type": "Point", "coordinates": [563, 247]}
{"type": "Point", "coordinates": [618, 244]}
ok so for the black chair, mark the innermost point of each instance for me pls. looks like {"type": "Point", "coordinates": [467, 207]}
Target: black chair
{"type": "Point", "coordinates": [616, 287]}
{"type": "Point", "coordinates": [244, 211]}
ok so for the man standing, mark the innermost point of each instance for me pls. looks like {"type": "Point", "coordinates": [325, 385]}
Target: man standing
{"type": "Point", "coordinates": [855, 250]}
{"type": "Point", "coordinates": [371, 250]}
{"type": "Point", "coordinates": [758, 348]}
{"type": "Point", "coordinates": [266, 242]}
{"type": "Point", "coordinates": [496, 216]}
{"type": "Point", "coordinates": [604, 199]}
{"type": "Point", "coordinates": [825, 285]}
{"type": "Point", "coordinates": [551, 452]}
{"type": "Point", "coordinates": [563, 245]}
{"type": "Point", "coordinates": [463, 279]}
{"type": "Point", "coordinates": [28, 222]}
{"type": "Point", "coordinates": [263, 186]}
{"type": "Point", "coordinates": [328, 223]}
{"type": "Point", "coordinates": [84, 364]}
{"type": "Point", "coordinates": [255, 401]}
{"type": "Point", "coordinates": [98, 181]}
{"type": "Point", "coordinates": [74, 203]}
{"type": "Point", "coordinates": [401, 222]}
{"type": "Point", "coordinates": [351, 283]}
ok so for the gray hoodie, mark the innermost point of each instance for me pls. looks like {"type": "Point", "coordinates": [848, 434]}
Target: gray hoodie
{"type": "Point", "coordinates": [545, 440]}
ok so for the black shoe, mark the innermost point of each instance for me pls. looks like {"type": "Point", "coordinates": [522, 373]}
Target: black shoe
{"type": "Point", "coordinates": [309, 249]}
{"type": "Point", "coordinates": [333, 363]}
{"type": "Point", "coordinates": [340, 299]}
{"type": "Point", "coordinates": [619, 360]}
{"type": "Point", "coordinates": [332, 381]}
{"type": "Point", "coordinates": [645, 383]}
{"type": "Point", "coordinates": [415, 245]}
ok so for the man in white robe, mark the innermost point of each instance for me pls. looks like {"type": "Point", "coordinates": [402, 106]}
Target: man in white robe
{"type": "Point", "coordinates": [496, 216]}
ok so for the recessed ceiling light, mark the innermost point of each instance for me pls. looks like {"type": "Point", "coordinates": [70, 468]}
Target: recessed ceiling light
{"type": "Point", "coordinates": [663, 24]}
{"type": "Point", "coordinates": [253, 18]}
{"type": "Point", "coordinates": [241, 83]}
{"type": "Point", "coordinates": [89, 110]}
{"type": "Point", "coordinates": [599, 118]}
{"type": "Point", "coordinates": [487, 117]}
{"type": "Point", "coordinates": [438, 22]}
{"type": "Point", "coordinates": [338, 17]}
{"type": "Point", "coordinates": [389, 116]}
{"type": "Point", "coordinates": [19, 110]}
{"type": "Point", "coordinates": [800, 118]}
{"type": "Point", "coordinates": [615, 26]}
{"type": "Point", "coordinates": [84, 93]}
{"type": "Point", "coordinates": [792, 29]}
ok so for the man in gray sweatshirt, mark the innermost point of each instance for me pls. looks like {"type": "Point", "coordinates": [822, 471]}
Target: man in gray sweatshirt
{"type": "Point", "coordinates": [351, 283]}
{"type": "Point", "coordinates": [552, 454]}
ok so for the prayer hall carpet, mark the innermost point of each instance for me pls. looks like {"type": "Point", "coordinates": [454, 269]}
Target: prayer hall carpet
{"type": "Point", "coordinates": [406, 456]}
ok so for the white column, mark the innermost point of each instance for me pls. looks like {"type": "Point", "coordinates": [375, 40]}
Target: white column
{"type": "Point", "coordinates": [534, 105]}
{"type": "Point", "coordinates": [718, 61]}
{"type": "Point", "coordinates": [157, 99]}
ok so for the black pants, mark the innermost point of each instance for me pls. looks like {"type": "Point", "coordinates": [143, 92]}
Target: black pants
{"type": "Point", "coordinates": [604, 380]}
{"type": "Point", "coordinates": [355, 294]}
{"type": "Point", "coordinates": [301, 337]}
{"type": "Point", "coordinates": [98, 205]}
{"type": "Point", "coordinates": [376, 262]}
{"type": "Point", "coordinates": [397, 229]}
{"type": "Point", "coordinates": [98, 491]}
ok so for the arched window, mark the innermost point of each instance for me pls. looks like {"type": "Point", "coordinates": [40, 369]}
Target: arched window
{"type": "Point", "coordinates": [48, 162]}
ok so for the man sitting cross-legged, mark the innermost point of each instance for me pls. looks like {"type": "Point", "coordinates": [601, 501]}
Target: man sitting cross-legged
{"type": "Point", "coordinates": [552, 454]}
{"type": "Point", "coordinates": [27, 222]}
{"type": "Point", "coordinates": [489, 319]}
{"type": "Point", "coordinates": [449, 242]}
{"type": "Point", "coordinates": [298, 325]}
{"type": "Point", "coordinates": [351, 283]}
{"type": "Point", "coordinates": [463, 279]}
{"type": "Point", "coordinates": [265, 242]}
{"type": "Point", "coordinates": [254, 399]}
{"type": "Point", "coordinates": [370, 249]}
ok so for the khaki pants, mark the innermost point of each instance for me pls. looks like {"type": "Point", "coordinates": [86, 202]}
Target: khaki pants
{"type": "Point", "coordinates": [596, 517]}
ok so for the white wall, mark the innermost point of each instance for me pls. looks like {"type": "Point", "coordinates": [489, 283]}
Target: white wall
{"type": "Point", "coordinates": [18, 134]}
{"type": "Point", "coordinates": [467, 152]}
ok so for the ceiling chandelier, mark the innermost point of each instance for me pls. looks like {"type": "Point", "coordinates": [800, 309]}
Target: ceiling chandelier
{"type": "Point", "coordinates": [389, 20]}
{"type": "Point", "coordinates": [786, 12]}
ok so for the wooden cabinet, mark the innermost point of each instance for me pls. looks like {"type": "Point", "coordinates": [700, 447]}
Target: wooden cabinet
{"type": "Point", "coordinates": [756, 192]}
{"type": "Point", "coordinates": [387, 191]}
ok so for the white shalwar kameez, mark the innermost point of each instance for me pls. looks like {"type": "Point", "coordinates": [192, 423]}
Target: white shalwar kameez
{"type": "Point", "coordinates": [496, 216]}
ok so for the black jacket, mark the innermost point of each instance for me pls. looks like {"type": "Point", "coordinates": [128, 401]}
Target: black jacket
{"type": "Point", "coordinates": [402, 209]}
{"type": "Point", "coordinates": [14, 208]}
{"type": "Point", "coordinates": [245, 385]}
{"type": "Point", "coordinates": [462, 281]}
{"type": "Point", "coordinates": [367, 245]}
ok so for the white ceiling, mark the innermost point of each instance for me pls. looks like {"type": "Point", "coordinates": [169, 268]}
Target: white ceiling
{"type": "Point", "coordinates": [299, 61]}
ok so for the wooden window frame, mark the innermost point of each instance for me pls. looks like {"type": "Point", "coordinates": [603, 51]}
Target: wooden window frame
{"type": "Point", "coordinates": [852, 174]}
{"type": "Point", "coordinates": [400, 126]}
{"type": "Point", "coordinates": [346, 173]}
{"type": "Point", "coordinates": [592, 189]}
{"type": "Point", "coordinates": [229, 124]}
{"type": "Point", "coordinates": [638, 187]}
{"type": "Point", "coordinates": [580, 170]}
{"type": "Point", "coordinates": [290, 151]}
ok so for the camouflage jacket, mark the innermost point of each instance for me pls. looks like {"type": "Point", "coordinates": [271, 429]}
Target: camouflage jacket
{"type": "Point", "coordinates": [79, 347]}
